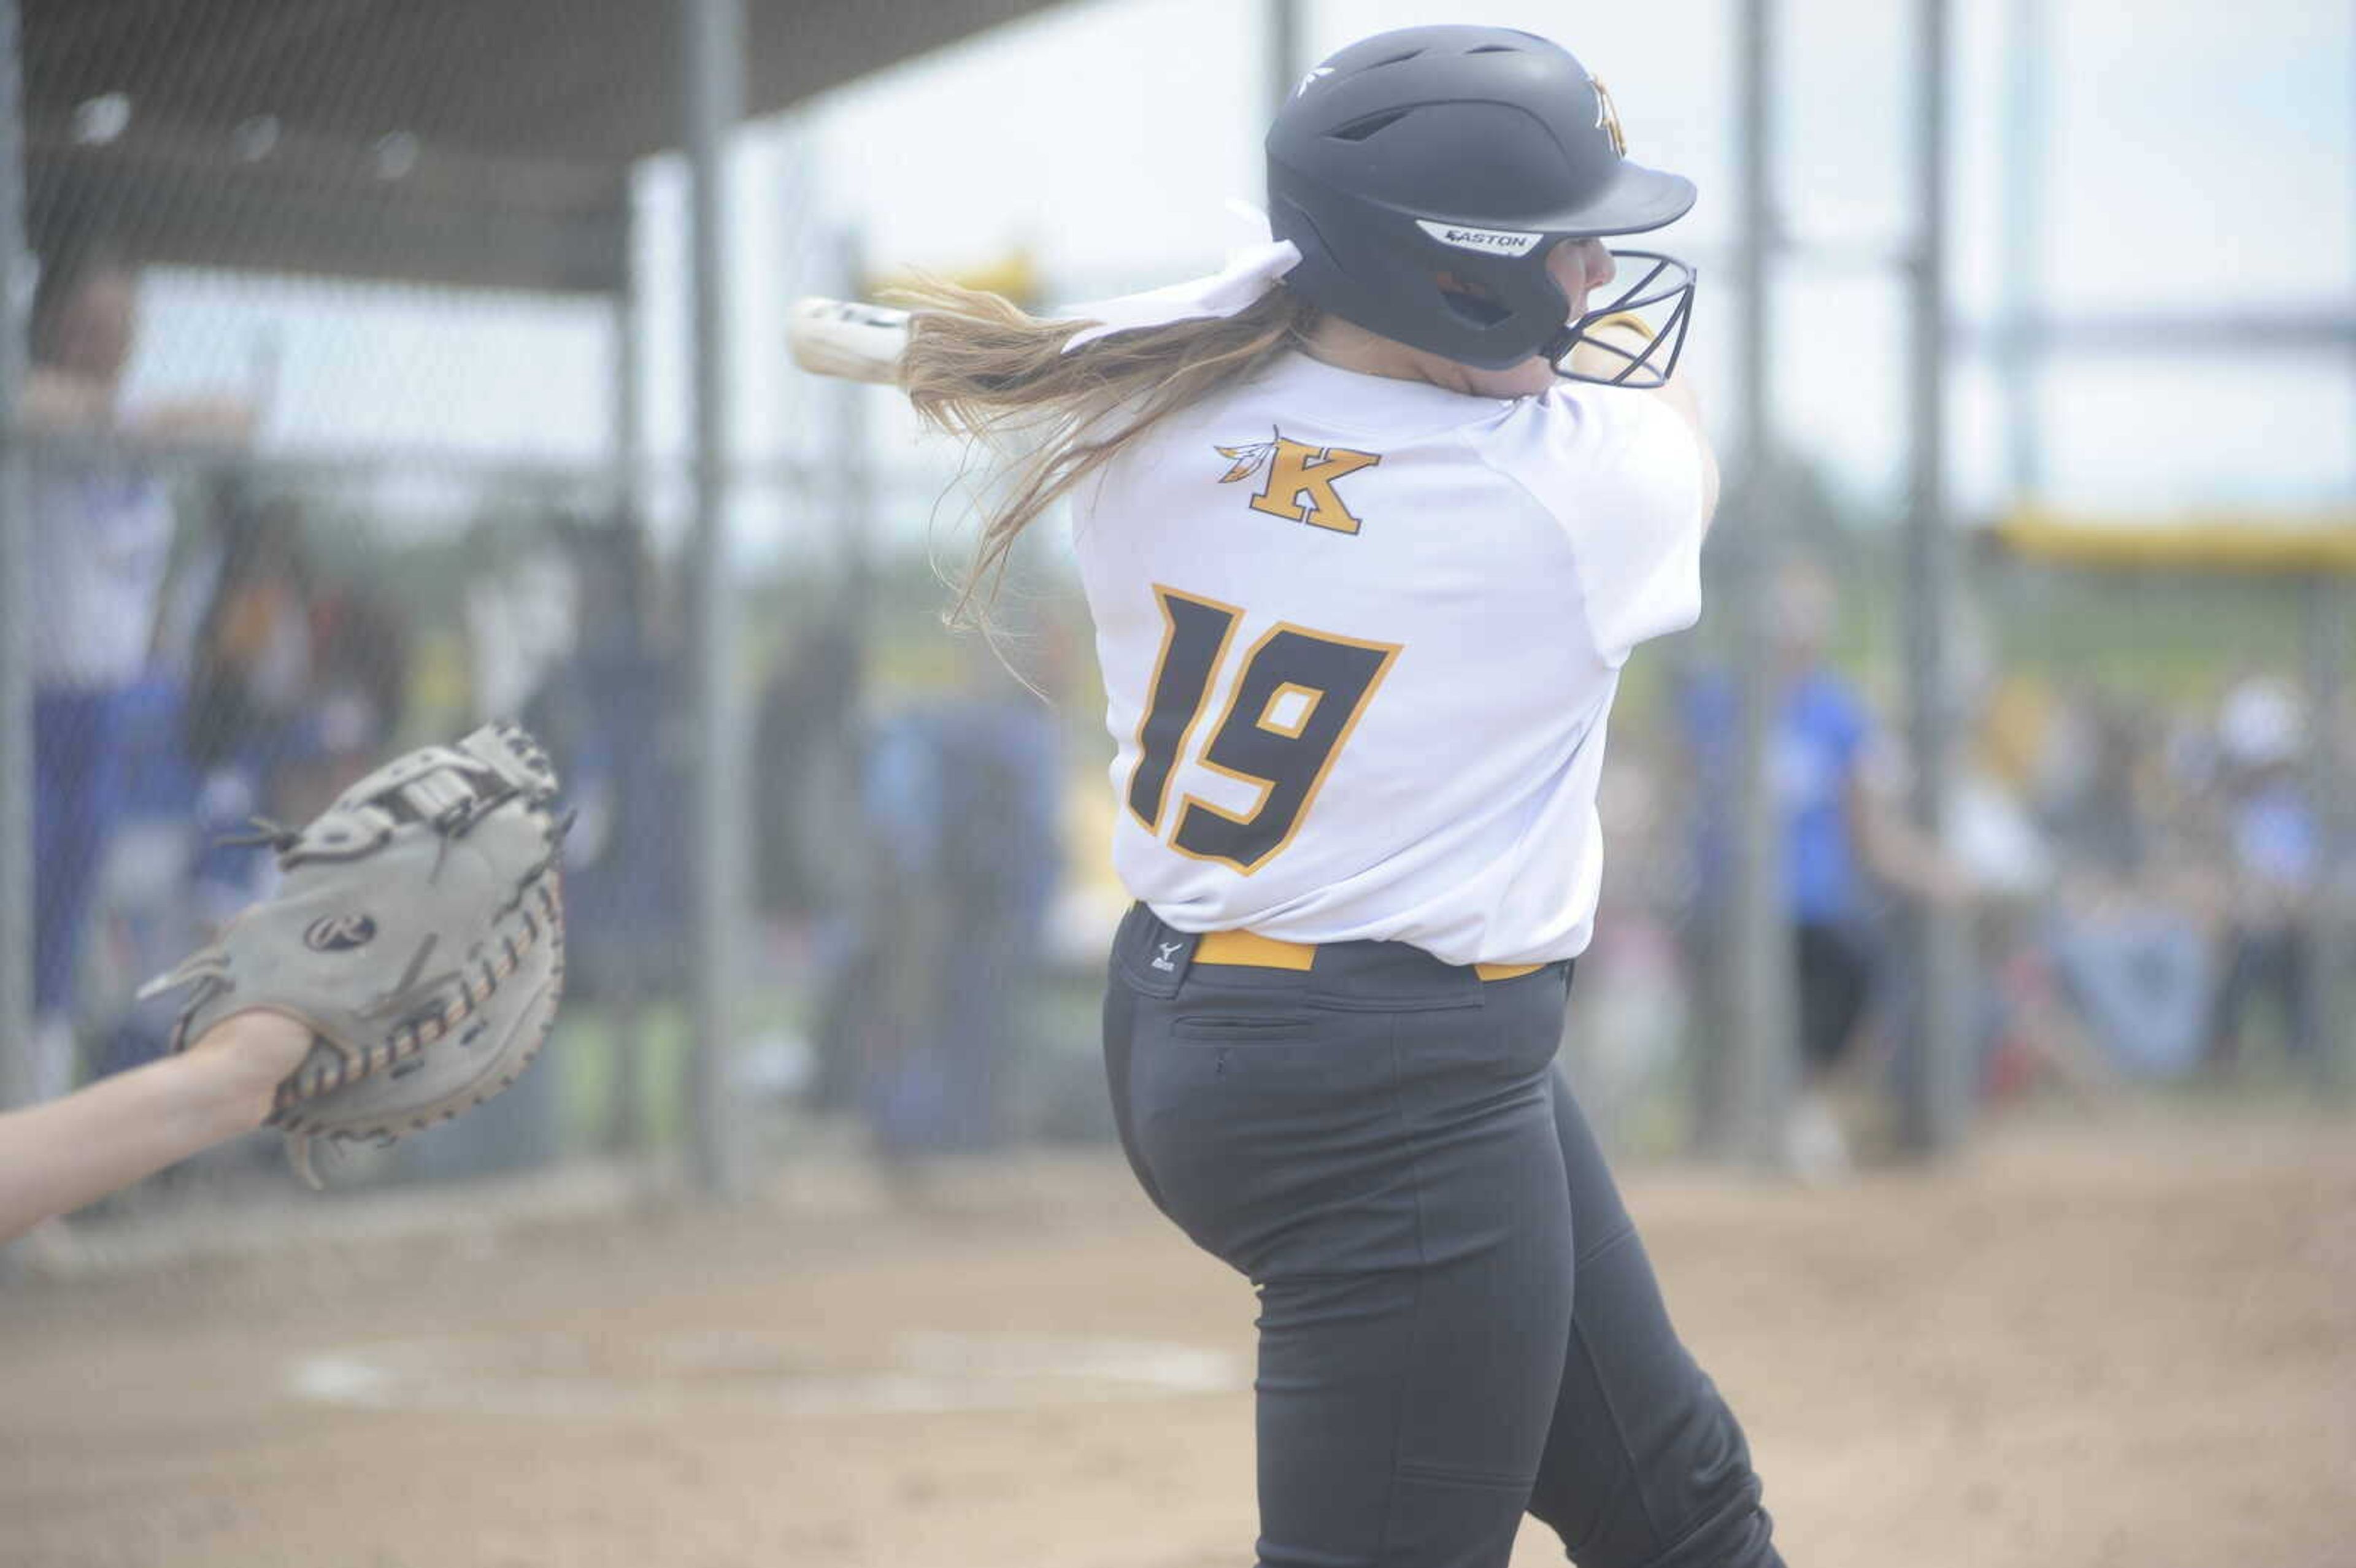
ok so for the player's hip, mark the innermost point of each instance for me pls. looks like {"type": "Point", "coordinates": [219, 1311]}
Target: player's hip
{"type": "Point", "coordinates": [1264, 1105]}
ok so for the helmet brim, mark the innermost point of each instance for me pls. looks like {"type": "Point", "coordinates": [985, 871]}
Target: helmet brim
{"type": "Point", "coordinates": [1637, 202]}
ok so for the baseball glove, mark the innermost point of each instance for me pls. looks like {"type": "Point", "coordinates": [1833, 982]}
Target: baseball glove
{"type": "Point", "coordinates": [418, 930]}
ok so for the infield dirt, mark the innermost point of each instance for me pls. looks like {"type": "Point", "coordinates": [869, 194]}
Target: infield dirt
{"type": "Point", "coordinates": [2129, 1342]}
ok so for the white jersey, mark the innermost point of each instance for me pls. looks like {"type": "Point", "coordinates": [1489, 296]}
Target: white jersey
{"type": "Point", "coordinates": [1360, 638]}
{"type": "Point", "coordinates": [101, 541]}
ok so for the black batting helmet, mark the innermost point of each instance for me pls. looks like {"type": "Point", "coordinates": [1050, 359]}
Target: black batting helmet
{"type": "Point", "coordinates": [1468, 151]}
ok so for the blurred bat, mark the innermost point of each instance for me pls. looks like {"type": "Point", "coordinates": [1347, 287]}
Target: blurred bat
{"type": "Point", "coordinates": [847, 339]}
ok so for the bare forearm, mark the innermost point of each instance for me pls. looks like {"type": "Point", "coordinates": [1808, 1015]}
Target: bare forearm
{"type": "Point", "coordinates": [1907, 859]}
{"type": "Point", "coordinates": [56, 402]}
{"type": "Point", "coordinates": [57, 1156]}
{"type": "Point", "coordinates": [197, 422]}
{"type": "Point", "coordinates": [53, 401]}
{"type": "Point", "coordinates": [1606, 346]}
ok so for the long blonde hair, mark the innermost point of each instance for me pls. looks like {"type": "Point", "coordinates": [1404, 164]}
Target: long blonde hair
{"type": "Point", "coordinates": [978, 367]}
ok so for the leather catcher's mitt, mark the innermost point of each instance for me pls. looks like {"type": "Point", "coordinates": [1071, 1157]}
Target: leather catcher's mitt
{"type": "Point", "coordinates": [418, 931]}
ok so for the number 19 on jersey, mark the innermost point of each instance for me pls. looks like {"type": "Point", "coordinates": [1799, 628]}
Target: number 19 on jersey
{"type": "Point", "coordinates": [1290, 710]}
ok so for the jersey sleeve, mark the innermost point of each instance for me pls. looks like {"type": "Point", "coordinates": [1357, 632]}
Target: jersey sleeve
{"type": "Point", "coordinates": [1622, 474]}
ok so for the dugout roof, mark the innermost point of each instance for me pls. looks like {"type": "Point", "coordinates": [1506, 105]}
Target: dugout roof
{"type": "Point", "coordinates": [482, 143]}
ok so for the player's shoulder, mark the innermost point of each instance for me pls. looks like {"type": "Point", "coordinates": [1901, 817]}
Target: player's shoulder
{"type": "Point", "coordinates": [1315, 394]}
{"type": "Point", "coordinates": [1300, 417]}
{"type": "Point", "coordinates": [1579, 424]}
{"type": "Point", "coordinates": [1580, 449]}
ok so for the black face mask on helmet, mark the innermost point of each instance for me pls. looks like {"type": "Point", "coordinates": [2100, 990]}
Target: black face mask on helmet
{"type": "Point", "coordinates": [1424, 174]}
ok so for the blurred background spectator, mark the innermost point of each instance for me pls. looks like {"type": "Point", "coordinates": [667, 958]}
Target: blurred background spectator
{"type": "Point", "coordinates": [2129, 937]}
{"type": "Point", "coordinates": [1847, 849]}
{"type": "Point", "coordinates": [2271, 883]}
{"type": "Point", "coordinates": [102, 536]}
{"type": "Point", "coordinates": [962, 795]}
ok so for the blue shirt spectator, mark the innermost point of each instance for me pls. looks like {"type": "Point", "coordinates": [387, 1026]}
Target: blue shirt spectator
{"type": "Point", "coordinates": [1819, 741]}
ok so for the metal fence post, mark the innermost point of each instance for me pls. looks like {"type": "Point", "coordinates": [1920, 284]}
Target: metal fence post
{"type": "Point", "coordinates": [16, 913]}
{"type": "Point", "coordinates": [713, 95]}
{"type": "Point", "coordinates": [2326, 627]}
{"type": "Point", "coordinates": [850, 486]}
{"type": "Point", "coordinates": [626, 1128]}
{"type": "Point", "coordinates": [1939, 1084]}
{"type": "Point", "coordinates": [1754, 1099]}
{"type": "Point", "coordinates": [1284, 65]}
{"type": "Point", "coordinates": [2028, 122]}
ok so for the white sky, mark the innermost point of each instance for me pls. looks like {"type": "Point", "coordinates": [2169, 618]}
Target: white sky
{"type": "Point", "coordinates": [2198, 157]}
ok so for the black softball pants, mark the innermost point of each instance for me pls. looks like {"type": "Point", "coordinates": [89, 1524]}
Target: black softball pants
{"type": "Point", "coordinates": [1457, 1323]}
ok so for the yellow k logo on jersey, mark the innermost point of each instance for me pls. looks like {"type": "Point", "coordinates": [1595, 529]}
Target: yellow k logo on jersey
{"type": "Point", "coordinates": [1300, 479]}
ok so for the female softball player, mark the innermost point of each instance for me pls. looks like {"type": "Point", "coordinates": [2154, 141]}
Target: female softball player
{"type": "Point", "coordinates": [1368, 525]}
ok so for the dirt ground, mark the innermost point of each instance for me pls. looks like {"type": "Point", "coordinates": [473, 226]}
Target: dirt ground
{"type": "Point", "coordinates": [2127, 1342]}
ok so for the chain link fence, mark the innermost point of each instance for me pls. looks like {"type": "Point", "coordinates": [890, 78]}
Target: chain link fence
{"type": "Point", "coordinates": [323, 458]}
{"type": "Point", "coordinates": [363, 364]}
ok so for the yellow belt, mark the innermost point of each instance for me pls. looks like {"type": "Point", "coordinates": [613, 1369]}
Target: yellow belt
{"type": "Point", "coordinates": [1250, 950]}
